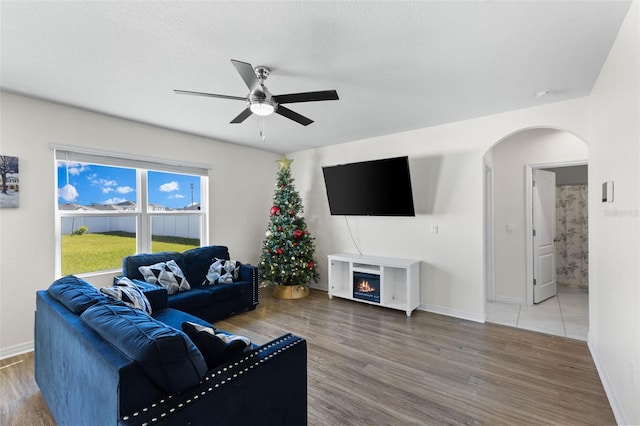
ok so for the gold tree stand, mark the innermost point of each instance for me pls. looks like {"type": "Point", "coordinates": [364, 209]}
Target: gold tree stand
{"type": "Point", "coordinates": [290, 291]}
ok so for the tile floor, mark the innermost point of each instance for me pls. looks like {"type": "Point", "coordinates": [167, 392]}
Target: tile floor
{"type": "Point", "coordinates": [566, 315]}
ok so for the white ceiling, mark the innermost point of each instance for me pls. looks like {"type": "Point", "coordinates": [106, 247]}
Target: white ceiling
{"type": "Point", "coordinates": [396, 65]}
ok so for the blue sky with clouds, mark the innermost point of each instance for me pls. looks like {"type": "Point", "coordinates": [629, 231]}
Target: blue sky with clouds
{"type": "Point", "coordinates": [90, 183]}
{"type": "Point", "coordinates": [173, 190]}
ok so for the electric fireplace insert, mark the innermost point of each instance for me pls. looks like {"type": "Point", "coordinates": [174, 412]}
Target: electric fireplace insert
{"type": "Point", "coordinates": [366, 286]}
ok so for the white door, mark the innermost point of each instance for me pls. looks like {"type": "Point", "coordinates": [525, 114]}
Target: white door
{"type": "Point", "coordinates": [544, 232]}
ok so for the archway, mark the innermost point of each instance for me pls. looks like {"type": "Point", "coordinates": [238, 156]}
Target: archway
{"type": "Point", "coordinates": [508, 259]}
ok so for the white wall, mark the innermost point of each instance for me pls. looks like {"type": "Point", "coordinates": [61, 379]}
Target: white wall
{"type": "Point", "coordinates": [536, 146]}
{"type": "Point", "coordinates": [240, 192]}
{"type": "Point", "coordinates": [614, 229]}
{"type": "Point", "coordinates": [447, 177]}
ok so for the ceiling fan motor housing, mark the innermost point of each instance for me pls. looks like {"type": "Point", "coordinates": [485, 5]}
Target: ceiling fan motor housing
{"type": "Point", "coordinates": [261, 103]}
{"type": "Point", "coordinates": [262, 72]}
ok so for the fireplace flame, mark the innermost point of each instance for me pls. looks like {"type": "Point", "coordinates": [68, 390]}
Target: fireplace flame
{"type": "Point", "coordinates": [364, 287]}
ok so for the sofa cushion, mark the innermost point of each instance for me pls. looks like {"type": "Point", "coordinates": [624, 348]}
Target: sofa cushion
{"type": "Point", "coordinates": [190, 301]}
{"type": "Point", "coordinates": [130, 264]}
{"type": "Point", "coordinates": [215, 347]}
{"type": "Point", "coordinates": [227, 291]}
{"type": "Point", "coordinates": [175, 317]}
{"type": "Point", "coordinates": [199, 259]}
{"type": "Point", "coordinates": [167, 274]}
{"type": "Point", "coordinates": [129, 293]}
{"type": "Point", "coordinates": [75, 294]}
{"type": "Point", "coordinates": [222, 271]}
{"type": "Point", "coordinates": [165, 354]}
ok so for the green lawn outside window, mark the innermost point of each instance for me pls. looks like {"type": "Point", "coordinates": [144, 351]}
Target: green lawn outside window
{"type": "Point", "coordinates": [100, 252]}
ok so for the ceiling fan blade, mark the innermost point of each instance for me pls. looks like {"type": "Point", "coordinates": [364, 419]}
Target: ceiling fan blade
{"type": "Point", "coordinates": [248, 74]}
{"type": "Point", "coordinates": [210, 95]}
{"type": "Point", "coordinates": [242, 116]}
{"type": "Point", "coordinates": [286, 112]}
{"type": "Point", "coordinates": [325, 95]}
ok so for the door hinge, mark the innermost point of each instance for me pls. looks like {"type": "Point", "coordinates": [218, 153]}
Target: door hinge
{"type": "Point", "coordinates": [534, 232]}
{"type": "Point", "coordinates": [534, 183]}
{"type": "Point", "coordinates": [535, 282]}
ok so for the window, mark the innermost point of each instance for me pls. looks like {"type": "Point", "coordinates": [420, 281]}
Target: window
{"type": "Point", "coordinates": [172, 200]}
{"type": "Point", "coordinates": [110, 207]}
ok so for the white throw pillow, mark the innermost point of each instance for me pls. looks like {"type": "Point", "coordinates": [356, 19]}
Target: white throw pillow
{"type": "Point", "coordinates": [222, 271]}
{"type": "Point", "coordinates": [129, 293]}
{"type": "Point", "coordinates": [168, 275]}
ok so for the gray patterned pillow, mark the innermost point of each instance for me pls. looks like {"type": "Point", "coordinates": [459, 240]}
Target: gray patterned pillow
{"type": "Point", "coordinates": [168, 275]}
{"type": "Point", "coordinates": [129, 293]}
{"type": "Point", "coordinates": [222, 271]}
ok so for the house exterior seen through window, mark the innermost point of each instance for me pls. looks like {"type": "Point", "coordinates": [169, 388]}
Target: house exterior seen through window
{"type": "Point", "coordinates": [107, 212]}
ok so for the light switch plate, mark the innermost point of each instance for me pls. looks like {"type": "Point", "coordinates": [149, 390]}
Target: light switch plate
{"type": "Point", "coordinates": [607, 191]}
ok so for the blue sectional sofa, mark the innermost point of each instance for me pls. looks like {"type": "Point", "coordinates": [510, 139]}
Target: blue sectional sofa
{"type": "Point", "coordinates": [209, 302]}
{"type": "Point", "coordinates": [101, 362]}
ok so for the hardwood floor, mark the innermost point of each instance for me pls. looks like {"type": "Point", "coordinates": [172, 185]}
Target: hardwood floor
{"type": "Point", "coordinates": [20, 401]}
{"type": "Point", "coordinates": [369, 365]}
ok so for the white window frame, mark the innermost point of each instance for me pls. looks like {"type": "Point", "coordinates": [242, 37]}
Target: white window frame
{"type": "Point", "coordinates": [142, 215]}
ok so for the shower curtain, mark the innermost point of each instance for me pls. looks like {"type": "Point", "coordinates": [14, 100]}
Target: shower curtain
{"type": "Point", "coordinates": [572, 253]}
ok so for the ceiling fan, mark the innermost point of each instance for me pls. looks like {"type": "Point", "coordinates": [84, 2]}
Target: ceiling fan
{"type": "Point", "coordinates": [261, 102]}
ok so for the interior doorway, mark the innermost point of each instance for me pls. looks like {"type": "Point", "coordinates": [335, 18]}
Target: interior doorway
{"type": "Point", "coordinates": [572, 232]}
{"type": "Point", "coordinates": [509, 277]}
{"type": "Point", "coordinates": [565, 312]}
{"type": "Point", "coordinates": [570, 226]}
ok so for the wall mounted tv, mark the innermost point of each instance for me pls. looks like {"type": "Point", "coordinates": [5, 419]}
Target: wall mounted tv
{"type": "Point", "coordinates": [370, 188]}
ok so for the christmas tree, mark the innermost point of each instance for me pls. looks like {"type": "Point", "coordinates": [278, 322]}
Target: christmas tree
{"type": "Point", "coordinates": [287, 250]}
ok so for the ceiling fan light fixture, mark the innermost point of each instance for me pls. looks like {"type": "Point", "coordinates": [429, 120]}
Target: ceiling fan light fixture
{"type": "Point", "coordinates": [262, 108]}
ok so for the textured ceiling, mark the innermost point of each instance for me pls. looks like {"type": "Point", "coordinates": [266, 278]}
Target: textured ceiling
{"type": "Point", "coordinates": [396, 65]}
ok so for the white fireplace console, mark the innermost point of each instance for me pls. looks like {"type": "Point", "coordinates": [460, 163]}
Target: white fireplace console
{"type": "Point", "coordinates": [399, 279]}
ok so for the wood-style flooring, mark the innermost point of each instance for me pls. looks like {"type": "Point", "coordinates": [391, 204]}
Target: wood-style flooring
{"type": "Point", "coordinates": [20, 401]}
{"type": "Point", "coordinates": [369, 365]}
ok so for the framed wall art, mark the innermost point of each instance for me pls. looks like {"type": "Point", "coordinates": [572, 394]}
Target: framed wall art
{"type": "Point", "coordinates": [9, 182]}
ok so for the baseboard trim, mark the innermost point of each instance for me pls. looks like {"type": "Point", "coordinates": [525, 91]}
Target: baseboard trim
{"type": "Point", "coordinates": [320, 286]}
{"type": "Point", "coordinates": [16, 350]}
{"type": "Point", "coordinates": [618, 412]}
{"type": "Point", "coordinates": [452, 312]}
{"type": "Point", "coordinates": [580, 286]}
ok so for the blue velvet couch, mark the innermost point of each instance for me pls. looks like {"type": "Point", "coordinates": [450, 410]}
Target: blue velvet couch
{"type": "Point", "coordinates": [101, 362]}
{"type": "Point", "coordinates": [209, 302]}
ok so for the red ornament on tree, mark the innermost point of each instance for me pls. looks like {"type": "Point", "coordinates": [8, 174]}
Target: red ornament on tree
{"type": "Point", "coordinates": [297, 233]}
{"type": "Point", "coordinates": [310, 264]}
{"type": "Point", "coordinates": [275, 210]}
{"type": "Point", "coordinates": [291, 213]}
{"type": "Point", "coordinates": [278, 251]}
{"type": "Point", "coordinates": [279, 228]}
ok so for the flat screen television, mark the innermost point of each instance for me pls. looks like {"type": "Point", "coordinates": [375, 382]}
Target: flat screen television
{"type": "Point", "coordinates": [370, 188]}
